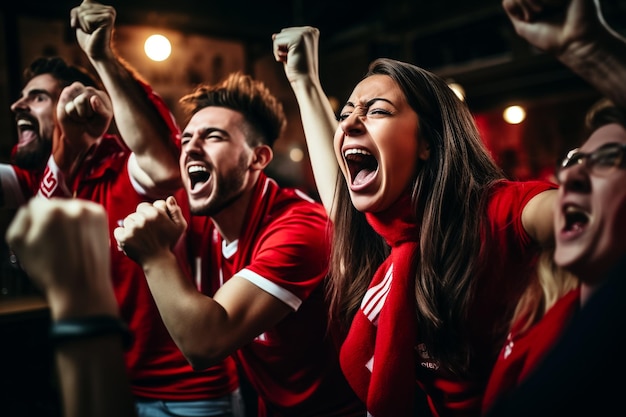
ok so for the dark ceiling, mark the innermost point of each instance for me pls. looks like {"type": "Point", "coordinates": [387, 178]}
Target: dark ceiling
{"type": "Point", "coordinates": [470, 41]}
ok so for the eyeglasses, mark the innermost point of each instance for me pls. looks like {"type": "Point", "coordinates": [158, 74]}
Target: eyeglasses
{"type": "Point", "coordinates": [599, 162]}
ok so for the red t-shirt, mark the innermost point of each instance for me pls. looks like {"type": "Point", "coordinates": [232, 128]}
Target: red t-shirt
{"type": "Point", "coordinates": [294, 366]}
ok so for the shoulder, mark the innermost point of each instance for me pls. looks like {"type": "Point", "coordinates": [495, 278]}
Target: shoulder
{"type": "Point", "coordinates": [522, 206]}
{"type": "Point", "coordinates": [296, 225]}
{"type": "Point", "coordinates": [291, 204]}
{"type": "Point", "coordinates": [518, 192]}
{"type": "Point", "coordinates": [510, 198]}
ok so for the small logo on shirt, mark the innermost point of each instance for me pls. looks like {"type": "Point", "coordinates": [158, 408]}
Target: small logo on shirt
{"type": "Point", "coordinates": [48, 184]}
{"type": "Point", "coordinates": [425, 360]}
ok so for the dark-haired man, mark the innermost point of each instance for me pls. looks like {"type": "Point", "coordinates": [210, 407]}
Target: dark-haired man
{"type": "Point", "coordinates": [259, 253]}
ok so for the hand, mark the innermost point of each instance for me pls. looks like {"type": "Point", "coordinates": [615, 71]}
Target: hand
{"type": "Point", "coordinates": [555, 26]}
{"type": "Point", "coordinates": [84, 114]}
{"type": "Point", "coordinates": [297, 48]}
{"type": "Point", "coordinates": [151, 231]}
{"type": "Point", "coordinates": [94, 24]}
{"type": "Point", "coordinates": [63, 245]}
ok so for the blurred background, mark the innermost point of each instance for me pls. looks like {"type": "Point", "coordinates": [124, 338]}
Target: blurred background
{"type": "Point", "coordinates": [469, 43]}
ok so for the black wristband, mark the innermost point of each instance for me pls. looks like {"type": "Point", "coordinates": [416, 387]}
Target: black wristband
{"type": "Point", "coordinates": [90, 326]}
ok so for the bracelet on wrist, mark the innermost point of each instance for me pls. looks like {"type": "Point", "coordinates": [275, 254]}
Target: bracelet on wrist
{"type": "Point", "coordinates": [91, 326]}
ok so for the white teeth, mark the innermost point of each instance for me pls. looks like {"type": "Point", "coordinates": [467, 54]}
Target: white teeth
{"type": "Point", "coordinates": [196, 168]}
{"type": "Point", "coordinates": [24, 122]}
{"type": "Point", "coordinates": [355, 151]}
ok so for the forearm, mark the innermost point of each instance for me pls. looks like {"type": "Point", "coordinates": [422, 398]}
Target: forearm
{"type": "Point", "coordinates": [141, 125]}
{"type": "Point", "coordinates": [193, 319]}
{"type": "Point", "coordinates": [91, 366]}
{"type": "Point", "coordinates": [86, 332]}
{"type": "Point", "coordinates": [602, 63]}
{"type": "Point", "coordinates": [67, 155]}
{"type": "Point", "coordinates": [94, 380]}
{"type": "Point", "coordinates": [319, 124]}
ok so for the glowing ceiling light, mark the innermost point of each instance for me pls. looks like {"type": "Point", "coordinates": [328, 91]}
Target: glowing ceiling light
{"type": "Point", "coordinates": [514, 114]}
{"type": "Point", "coordinates": [158, 47]}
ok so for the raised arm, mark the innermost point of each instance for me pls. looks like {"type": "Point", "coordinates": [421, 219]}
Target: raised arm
{"type": "Point", "coordinates": [297, 49]}
{"type": "Point", "coordinates": [74, 276]}
{"type": "Point", "coordinates": [576, 33]}
{"type": "Point", "coordinates": [143, 120]}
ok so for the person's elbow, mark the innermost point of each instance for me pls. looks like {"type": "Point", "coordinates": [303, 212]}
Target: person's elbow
{"type": "Point", "coordinates": [204, 355]}
{"type": "Point", "coordinates": [169, 180]}
{"type": "Point", "coordinates": [155, 175]}
{"type": "Point", "coordinates": [164, 173]}
{"type": "Point", "coordinates": [538, 218]}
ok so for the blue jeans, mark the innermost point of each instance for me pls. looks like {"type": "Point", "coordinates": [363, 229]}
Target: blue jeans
{"type": "Point", "coordinates": [228, 406]}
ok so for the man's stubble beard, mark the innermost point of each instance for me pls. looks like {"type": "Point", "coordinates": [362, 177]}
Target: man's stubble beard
{"type": "Point", "coordinates": [34, 156]}
{"type": "Point", "coordinates": [224, 196]}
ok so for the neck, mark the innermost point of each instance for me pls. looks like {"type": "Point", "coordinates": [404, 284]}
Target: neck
{"type": "Point", "coordinates": [586, 291]}
{"type": "Point", "coordinates": [597, 274]}
{"type": "Point", "coordinates": [229, 221]}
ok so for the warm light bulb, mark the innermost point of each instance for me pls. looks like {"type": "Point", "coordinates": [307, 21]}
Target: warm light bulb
{"type": "Point", "coordinates": [514, 114]}
{"type": "Point", "coordinates": [296, 154]}
{"type": "Point", "coordinates": [158, 47]}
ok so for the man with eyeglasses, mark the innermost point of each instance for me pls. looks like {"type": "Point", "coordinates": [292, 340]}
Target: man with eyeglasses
{"type": "Point", "coordinates": [567, 359]}
{"type": "Point", "coordinates": [599, 162]}
{"type": "Point", "coordinates": [575, 376]}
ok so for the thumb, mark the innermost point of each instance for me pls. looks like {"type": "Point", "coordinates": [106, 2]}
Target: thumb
{"type": "Point", "coordinates": [101, 104]}
{"type": "Point", "coordinates": [96, 104]}
{"type": "Point", "coordinates": [175, 212]}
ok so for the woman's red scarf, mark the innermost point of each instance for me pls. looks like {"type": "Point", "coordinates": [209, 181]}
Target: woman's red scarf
{"type": "Point", "coordinates": [377, 356]}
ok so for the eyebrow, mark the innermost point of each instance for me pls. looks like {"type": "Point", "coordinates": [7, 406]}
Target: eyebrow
{"type": "Point", "coordinates": [369, 102]}
{"type": "Point", "coordinates": [36, 91]}
{"type": "Point", "coordinates": [205, 131]}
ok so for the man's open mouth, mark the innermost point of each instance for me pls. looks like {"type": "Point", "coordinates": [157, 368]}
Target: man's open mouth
{"type": "Point", "coordinates": [198, 174]}
{"type": "Point", "coordinates": [575, 218]}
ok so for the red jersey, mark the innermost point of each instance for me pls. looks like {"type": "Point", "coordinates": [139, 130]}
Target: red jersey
{"type": "Point", "coordinates": [283, 250]}
{"type": "Point", "coordinates": [524, 351]}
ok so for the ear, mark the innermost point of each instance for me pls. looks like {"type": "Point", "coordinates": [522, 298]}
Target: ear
{"type": "Point", "coordinates": [263, 155]}
{"type": "Point", "coordinates": [423, 151]}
